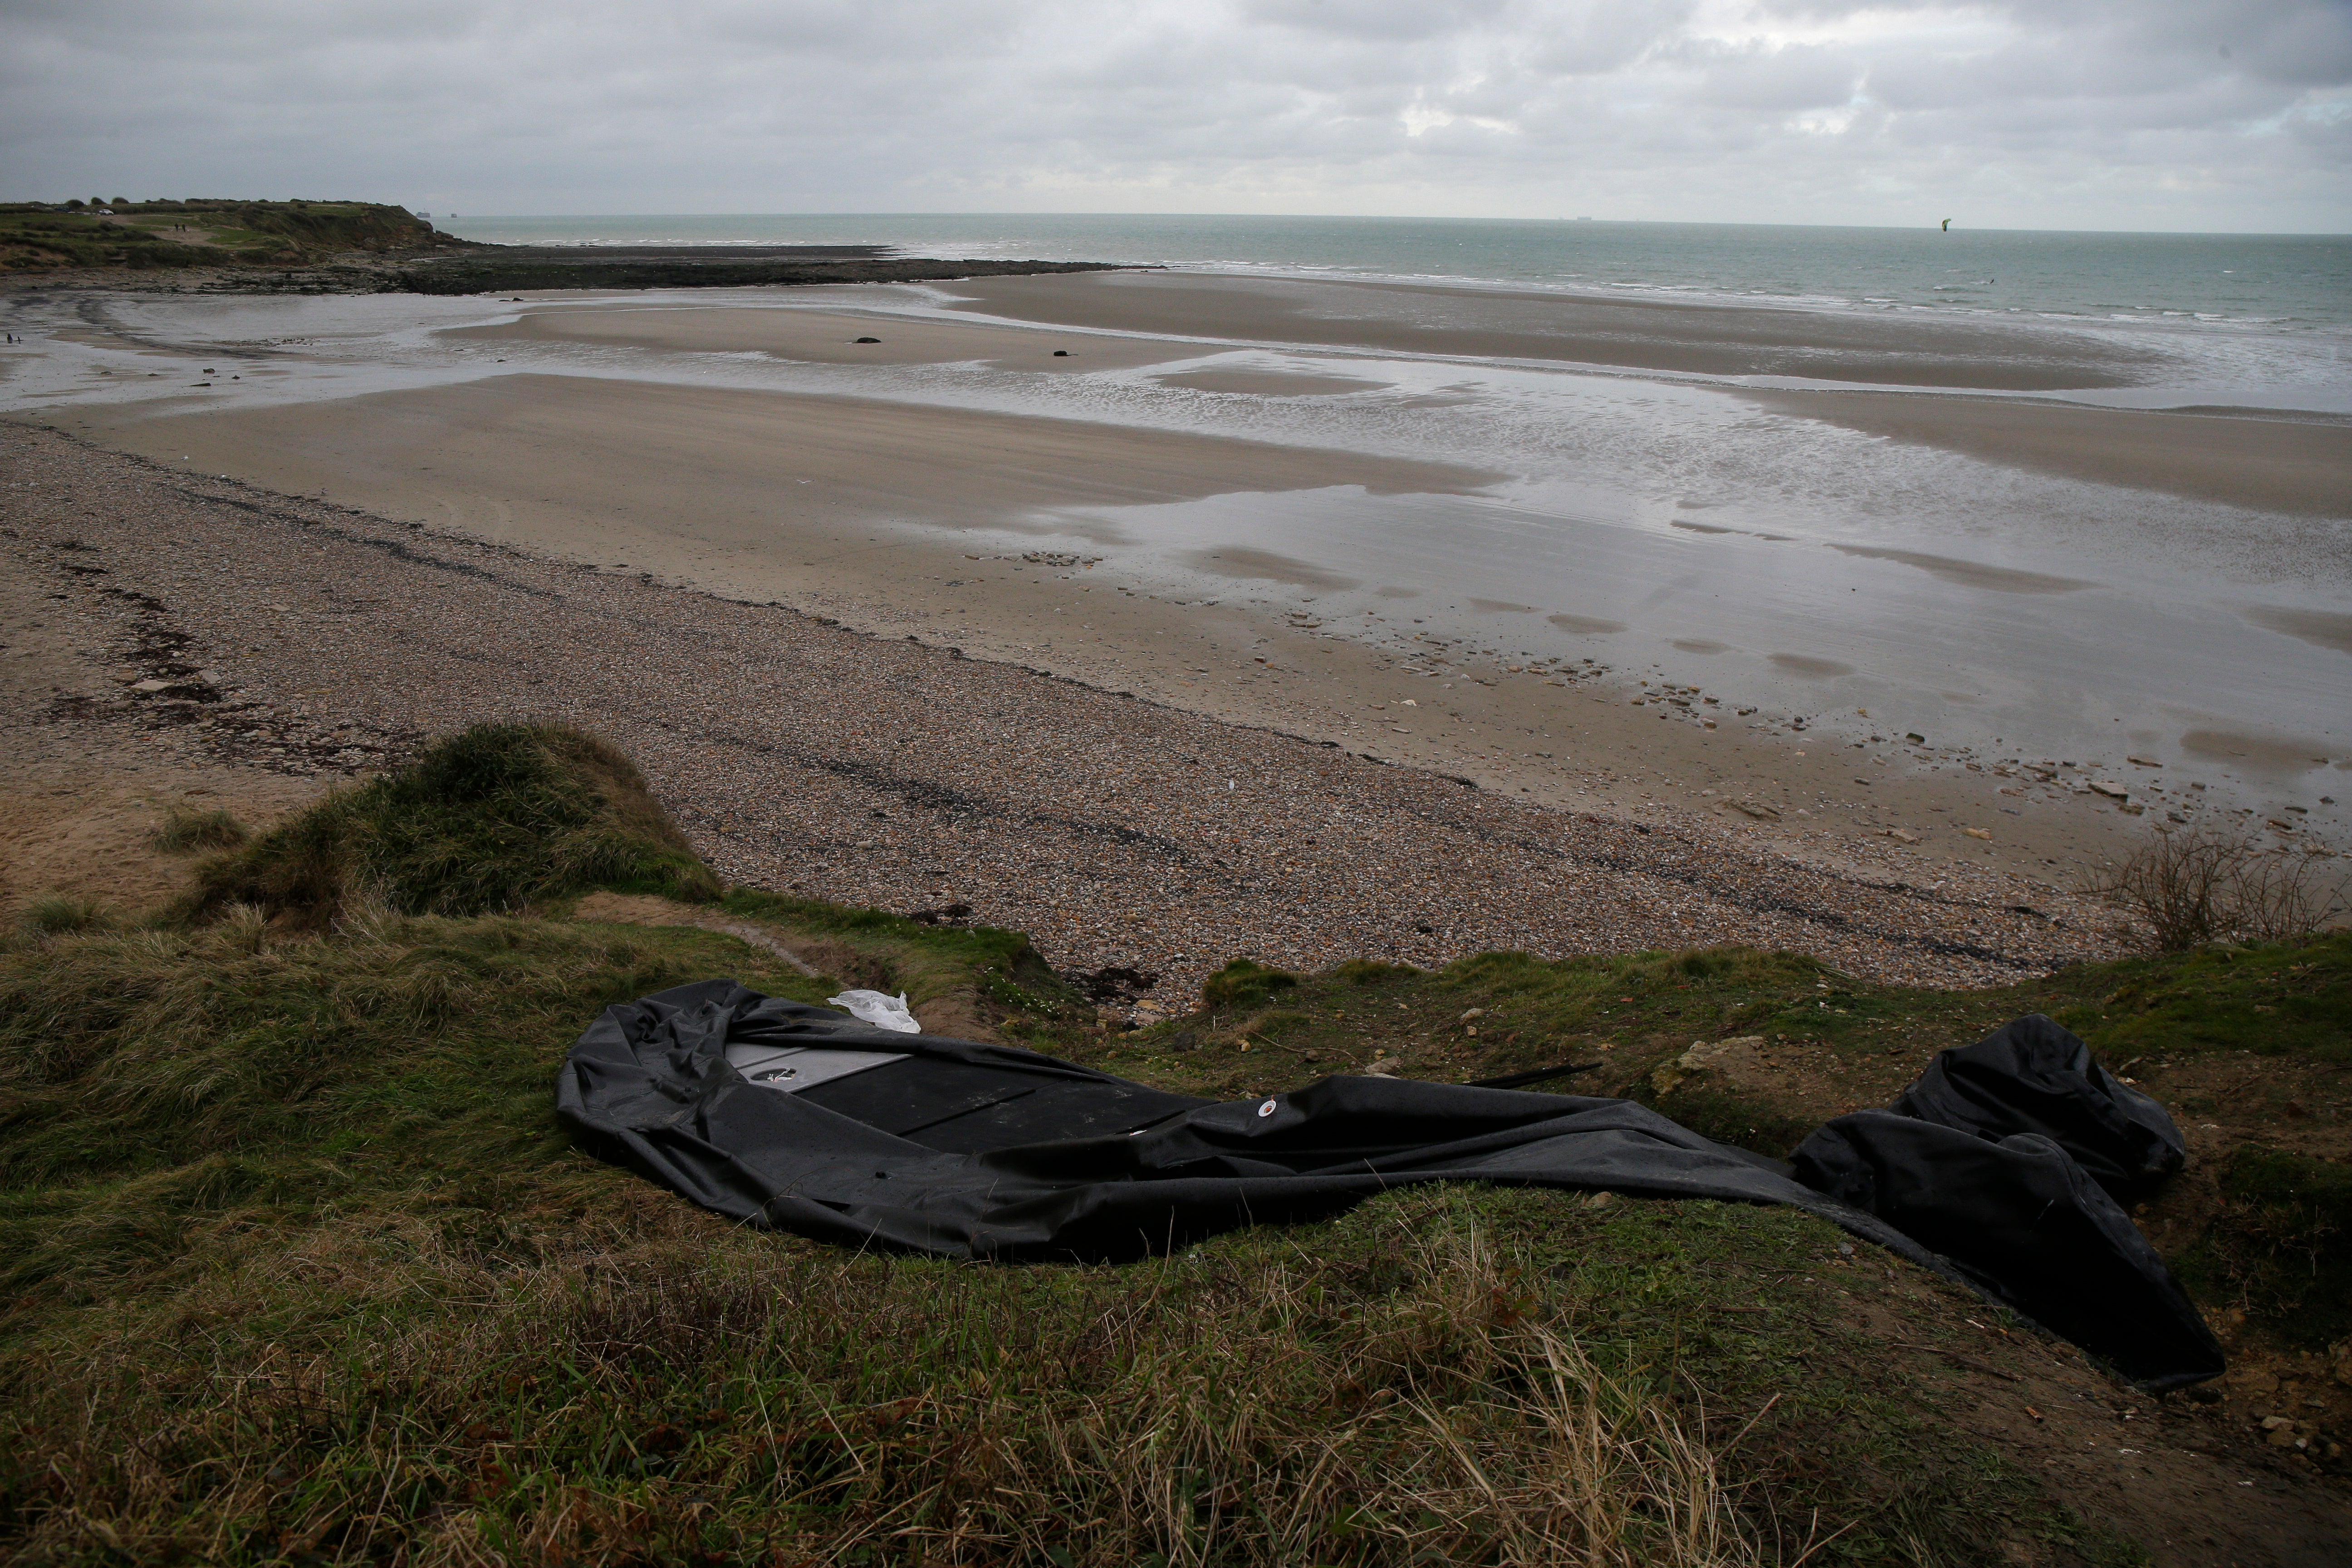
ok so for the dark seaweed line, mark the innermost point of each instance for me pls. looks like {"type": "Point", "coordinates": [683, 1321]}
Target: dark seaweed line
{"type": "Point", "coordinates": [391, 547]}
{"type": "Point", "coordinates": [1755, 903]}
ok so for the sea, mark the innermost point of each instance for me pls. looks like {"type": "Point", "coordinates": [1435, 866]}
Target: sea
{"type": "Point", "coordinates": [2250, 288]}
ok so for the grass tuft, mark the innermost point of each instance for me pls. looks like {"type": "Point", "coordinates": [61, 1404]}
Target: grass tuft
{"type": "Point", "coordinates": [60, 914]}
{"type": "Point", "coordinates": [1243, 983]}
{"type": "Point", "coordinates": [184, 831]}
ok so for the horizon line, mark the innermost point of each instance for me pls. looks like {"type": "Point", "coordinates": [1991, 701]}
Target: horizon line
{"type": "Point", "coordinates": [1396, 218]}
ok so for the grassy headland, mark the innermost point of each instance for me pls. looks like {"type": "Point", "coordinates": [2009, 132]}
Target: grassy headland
{"type": "Point", "coordinates": [43, 237]}
{"type": "Point", "coordinates": [368, 247]}
{"type": "Point", "coordinates": [299, 1267]}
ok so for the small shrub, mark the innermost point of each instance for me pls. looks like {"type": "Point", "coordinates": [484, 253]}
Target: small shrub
{"type": "Point", "coordinates": [185, 831]}
{"type": "Point", "coordinates": [2186, 890]}
{"type": "Point", "coordinates": [2282, 898]}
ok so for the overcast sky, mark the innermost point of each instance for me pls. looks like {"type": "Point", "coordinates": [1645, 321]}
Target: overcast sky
{"type": "Point", "coordinates": [2149, 114]}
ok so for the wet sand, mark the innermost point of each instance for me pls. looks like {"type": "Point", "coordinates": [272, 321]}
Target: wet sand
{"type": "Point", "coordinates": [2303, 467]}
{"type": "Point", "coordinates": [819, 337]}
{"type": "Point", "coordinates": [1497, 324]}
{"type": "Point", "coordinates": [787, 482]}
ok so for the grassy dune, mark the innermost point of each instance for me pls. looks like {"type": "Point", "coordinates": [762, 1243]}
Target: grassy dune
{"type": "Point", "coordinates": [298, 1266]}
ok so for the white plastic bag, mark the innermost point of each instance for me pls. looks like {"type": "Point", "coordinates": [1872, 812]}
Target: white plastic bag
{"type": "Point", "coordinates": [883, 1011]}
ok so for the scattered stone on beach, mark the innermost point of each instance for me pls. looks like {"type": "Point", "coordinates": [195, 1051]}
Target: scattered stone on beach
{"type": "Point", "coordinates": [1977, 832]}
{"type": "Point", "coordinates": [2144, 762]}
{"type": "Point", "coordinates": [803, 756]}
{"type": "Point", "coordinates": [1902, 836]}
{"type": "Point", "coordinates": [2110, 788]}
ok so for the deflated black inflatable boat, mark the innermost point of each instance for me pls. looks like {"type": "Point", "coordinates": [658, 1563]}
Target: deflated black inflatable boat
{"type": "Point", "coordinates": [1989, 1169]}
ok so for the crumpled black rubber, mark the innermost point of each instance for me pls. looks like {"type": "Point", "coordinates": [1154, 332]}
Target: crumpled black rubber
{"type": "Point", "coordinates": [2011, 1159]}
{"type": "Point", "coordinates": [2022, 1220]}
{"type": "Point", "coordinates": [1080, 1165]}
{"type": "Point", "coordinates": [976, 1150]}
{"type": "Point", "coordinates": [2033, 1076]}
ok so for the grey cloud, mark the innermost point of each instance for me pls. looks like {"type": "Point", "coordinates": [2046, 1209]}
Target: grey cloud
{"type": "Point", "coordinates": [1785, 80]}
{"type": "Point", "coordinates": [1603, 37]}
{"type": "Point", "coordinates": [2066, 112]}
{"type": "Point", "coordinates": [1386, 20]}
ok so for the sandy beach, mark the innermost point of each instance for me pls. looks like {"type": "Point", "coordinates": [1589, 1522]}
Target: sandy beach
{"type": "Point", "coordinates": [244, 642]}
{"type": "Point", "coordinates": [2237, 458]}
{"type": "Point", "coordinates": [1016, 485]}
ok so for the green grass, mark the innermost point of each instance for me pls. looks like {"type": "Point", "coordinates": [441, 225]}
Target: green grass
{"type": "Point", "coordinates": [1000, 966]}
{"type": "Point", "coordinates": [2281, 1249]}
{"type": "Point", "coordinates": [2288, 1000]}
{"type": "Point", "coordinates": [1487, 1016]}
{"type": "Point", "coordinates": [296, 1265]}
{"type": "Point", "coordinates": [500, 817]}
{"type": "Point", "coordinates": [1244, 983]}
{"type": "Point", "coordinates": [37, 235]}
{"type": "Point", "coordinates": [299, 1263]}
{"type": "Point", "coordinates": [2284, 999]}
{"type": "Point", "coordinates": [39, 240]}
{"type": "Point", "coordinates": [159, 1064]}
{"type": "Point", "coordinates": [58, 913]}
{"type": "Point", "coordinates": [185, 830]}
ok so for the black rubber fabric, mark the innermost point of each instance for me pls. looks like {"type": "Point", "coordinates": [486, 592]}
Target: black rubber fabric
{"type": "Point", "coordinates": [2033, 1076]}
{"type": "Point", "coordinates": [891, 1155]}
{"type": "Point", "coordinates": [978, 1151]}
{"type": "Point", "coordinates": [2025, 1223]}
